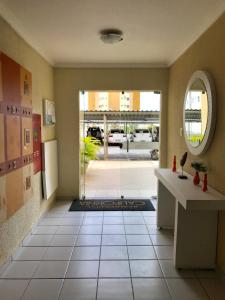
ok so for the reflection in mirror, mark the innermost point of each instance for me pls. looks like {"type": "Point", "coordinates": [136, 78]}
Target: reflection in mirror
{"type": "Point", "coordinates": [196, 113]}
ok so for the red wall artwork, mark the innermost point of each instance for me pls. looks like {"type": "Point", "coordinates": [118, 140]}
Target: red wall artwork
{"type": "Point", "coordinates": [37, 143]}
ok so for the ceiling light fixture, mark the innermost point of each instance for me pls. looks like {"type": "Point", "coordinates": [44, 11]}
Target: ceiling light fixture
{"type": "Point", "coordinates": [111, 36]}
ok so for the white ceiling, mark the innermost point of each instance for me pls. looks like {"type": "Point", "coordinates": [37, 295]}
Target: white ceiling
{"type": "Point", "coordinates": [66, 32]}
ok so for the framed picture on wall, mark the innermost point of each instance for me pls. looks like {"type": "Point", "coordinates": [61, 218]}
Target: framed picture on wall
{"type": "Point", "coordinates": [49, 112]}
{"type": "Point", "coordinates": [26, 136]}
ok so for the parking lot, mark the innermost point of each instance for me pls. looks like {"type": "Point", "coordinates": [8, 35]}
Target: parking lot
{"type": "Point", "coordinates": [115, 153]}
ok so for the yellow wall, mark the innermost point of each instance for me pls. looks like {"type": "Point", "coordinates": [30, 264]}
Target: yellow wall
{"type": "Point", "coordinates": [207, 53]}
{"type": "Point", "coordinates": [68, 83]}
{"type": "Point", "coordinates": [136, 100]}
{"type": "Point", "coordinates": [114, 100]}
{"type": "Point", "coordinates": [91, 100]}
{"type": "Point", "coordinates": [15, 228]}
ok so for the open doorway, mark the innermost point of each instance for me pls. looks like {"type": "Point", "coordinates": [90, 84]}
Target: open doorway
{"type": "Point", "coordinates": [120, 133]}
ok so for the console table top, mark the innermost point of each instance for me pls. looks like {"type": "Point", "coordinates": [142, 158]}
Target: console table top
{"type": "Point", "coordinates": [190, 196]}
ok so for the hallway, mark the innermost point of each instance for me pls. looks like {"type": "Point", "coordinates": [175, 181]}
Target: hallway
{"type": "Point", "coordinates": [101, 255]}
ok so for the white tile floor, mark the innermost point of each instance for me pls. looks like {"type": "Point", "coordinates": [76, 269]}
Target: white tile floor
{"type": "Point", "coordinates": [102, 255]}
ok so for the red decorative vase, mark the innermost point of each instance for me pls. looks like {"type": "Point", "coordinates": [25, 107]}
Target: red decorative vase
{"type": "Point", "coordinates": [174, 169]}
{"type": "Point", "coordinates": [204, 185]}
{"type": "Point", "coordinates": [196, 179]}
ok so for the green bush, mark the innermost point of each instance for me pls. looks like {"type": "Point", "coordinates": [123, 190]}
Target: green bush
{"type": "Point", "coordinates": [89, 149]}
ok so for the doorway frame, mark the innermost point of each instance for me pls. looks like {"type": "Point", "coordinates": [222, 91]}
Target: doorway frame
{"type": "Point", "coordinates": [163, 117]}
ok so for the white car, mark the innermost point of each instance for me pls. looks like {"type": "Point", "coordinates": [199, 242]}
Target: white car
{"type": "Point", "coordinates": [142, 135]}
{"type": "Point", "coordinates": [117, 137]}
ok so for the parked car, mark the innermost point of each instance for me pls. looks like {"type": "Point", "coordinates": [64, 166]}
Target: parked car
{"type": "Point", "coordinates": [141, 135]}
{"type": "Point", "coordinates": [95, 132]}
{"type": "Point", "coordinates": [117, 137]}
{"type": "Point", "coordinates": [155, 134]}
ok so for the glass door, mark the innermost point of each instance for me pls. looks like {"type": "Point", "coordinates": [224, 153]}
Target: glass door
{"type": "Point", "coordinates": [107, 175]}
{"type": "Point", "coordinates": [119, 143]}
{"type": "Point", "coordinates": [142, 147]}
{"type": "Point", "coordinates": [116, 141]}
{"type": "Point", "coordinates": [104, 135]}
{"type": "Point", "coordinates": [129, 112]}
{"type": "Point", "coordinates": [83, 164]}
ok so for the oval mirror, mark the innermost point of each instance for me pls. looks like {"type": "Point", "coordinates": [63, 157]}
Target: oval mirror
{"type": "Point", "coordinates": [199, 112]}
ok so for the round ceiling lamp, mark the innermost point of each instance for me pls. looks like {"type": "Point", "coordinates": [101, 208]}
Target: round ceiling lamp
{"type": "Point", "coordinates": [111, 36]}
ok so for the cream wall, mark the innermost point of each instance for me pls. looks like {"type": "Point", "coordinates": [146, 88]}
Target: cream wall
{"type": "Point", "coordinates": [15, 228]}
{"type": "Point", "coordinates": [207, 53]}
{"type": "Point", "coordinates": [68, 82]}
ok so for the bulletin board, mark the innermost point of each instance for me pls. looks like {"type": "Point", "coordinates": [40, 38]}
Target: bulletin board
{"type": "Point", "coordinates": [37, 151]}
{"type": "Point", "coordinates": [16, 136]}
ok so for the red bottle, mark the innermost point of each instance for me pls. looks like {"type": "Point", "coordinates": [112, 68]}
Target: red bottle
{"type": "Point", "coordinates": [204, 185]}
{"type": "Point", "coordinates": [196, 178]}
{"type": "Point", "coordinates": [174, 169]}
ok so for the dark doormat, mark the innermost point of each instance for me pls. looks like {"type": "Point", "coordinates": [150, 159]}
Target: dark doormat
{"type": "Point", "coordinates": [112, 205]}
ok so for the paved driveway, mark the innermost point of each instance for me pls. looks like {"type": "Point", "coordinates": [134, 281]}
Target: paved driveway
{"type": "Point", "coordinates": [115, 153]}
{"type": "Point", "coordinates": [115, 178]}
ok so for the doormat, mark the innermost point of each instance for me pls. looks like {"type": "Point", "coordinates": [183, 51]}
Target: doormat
{"type": "Point", "coordinates": [112, 205]}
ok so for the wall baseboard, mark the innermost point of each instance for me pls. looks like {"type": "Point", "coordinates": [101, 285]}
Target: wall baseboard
{"type": "Point", "coordinates": [221, 274]}
{"type": "Point", "coordinates": [5, 265]}
{"type": "Point", "coordinates": [9, 259]}
{"type": "Point", "coordinates": [65, 198]}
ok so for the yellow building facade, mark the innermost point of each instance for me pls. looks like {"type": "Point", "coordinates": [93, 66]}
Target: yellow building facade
{"type": "Point", "coordinates": [114, 101]}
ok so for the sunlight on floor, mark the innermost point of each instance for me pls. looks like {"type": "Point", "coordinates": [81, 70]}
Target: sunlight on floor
{"type": "Point", "coordinates": [116, 178]}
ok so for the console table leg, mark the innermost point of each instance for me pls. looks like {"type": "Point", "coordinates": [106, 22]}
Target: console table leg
{"type": "Point", "coordinates": [195, 238]}
{"type": "Point", "coordinates": [165, 207]}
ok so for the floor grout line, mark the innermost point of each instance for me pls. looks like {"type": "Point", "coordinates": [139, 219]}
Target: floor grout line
{"type": "Point", "coordinates": [68, 265]}
{"type": "Point", "coordinates": [25, 289]}
{"type": "Point", "coordinates": [131, 280]}
{"type": "Point", "coordinates": [202, 286]}
{"type": "Point", "coordinates": [96, 297]}
{"type": "Point", "coordinates": [77, 234]}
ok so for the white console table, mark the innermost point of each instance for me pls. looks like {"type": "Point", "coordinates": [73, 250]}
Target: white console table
{"type": "Point", "coordinates": [194, 216]}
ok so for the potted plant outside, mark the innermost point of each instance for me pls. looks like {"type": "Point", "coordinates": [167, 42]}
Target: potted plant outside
{"type": "Point", "coordinates": [90, 147]}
